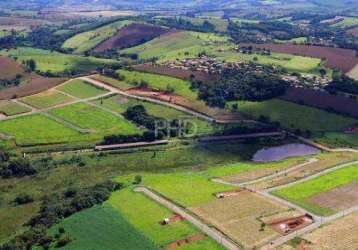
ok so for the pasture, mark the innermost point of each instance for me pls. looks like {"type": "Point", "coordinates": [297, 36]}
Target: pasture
{"type": "Point", "coordinates": [290, 115]}
{"type": "Point", "coordinates": [47, 131]}
{"type": "Point", "coordinates": [46, 99]}
{"type": "Point", "coordinates": [55, 62]}
{"type": "Point", "coordinates": [81, 89]}
{"type": "Point", "coordinates": [98, 121]}
{"type": "Point", "coordinates": [102, 228]}
{"type": "Point", "coordinates": [88, 40]}
{"type": "Point", "coordinates": [302, 193]}
{"type": "Point", "coordinates": [10, 108]}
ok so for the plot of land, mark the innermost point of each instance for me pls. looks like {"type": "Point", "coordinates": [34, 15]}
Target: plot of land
{"type": "Point", "coordinates": [303, 193]}
{"type": "Point", "coordinates": [81, 89]}
{"type": "Point", "coordinates": [131, 35]}
{"type": "Point", "coordinates": [101, 122]}
{"type": "Point", "coordinates": [38, 129]}
{"type": "Point", "coordinates": [239, 217]}
{"type": "Point", "coordinates": [46, 99]}
{"type": "Point", "coordinates": [9, 68]}
{"type": "Point", "coordinates": [342, 59]}
{"type": "Point", "coordinates": [9, 108]}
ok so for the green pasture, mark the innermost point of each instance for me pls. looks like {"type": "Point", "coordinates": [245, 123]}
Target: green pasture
{"type": "Point", "coordinates": [100, 121]}
{"type": "Point", "coordinates": [300, 193]}
{"type": "Point", "coordinates": [88, 40]}
{"type": "Point", "coordinates": [81, 89]}
{"type": "Point", "coordinates": [10, 108]}
{"type": "Point", "coordinates": [337, 140]}
{"type": "Point", "coordinates": [46, 99]}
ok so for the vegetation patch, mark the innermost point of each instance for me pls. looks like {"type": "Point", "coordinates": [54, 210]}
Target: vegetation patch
{"type": "Point", "coordinates": [46, 99]}
{"type": "Point", "coordinates": [81, 89]}
{"type": "Point", "coordinates": [10, 108]}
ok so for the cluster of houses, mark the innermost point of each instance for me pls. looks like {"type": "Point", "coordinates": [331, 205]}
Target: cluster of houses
{"type": "Point", "coordinates": [204, 64]}
{"type": "Point", "coordinates": [307, 81]}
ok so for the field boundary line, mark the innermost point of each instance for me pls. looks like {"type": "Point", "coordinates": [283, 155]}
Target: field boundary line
{"type": "Point", "coordinates": [213, 233]}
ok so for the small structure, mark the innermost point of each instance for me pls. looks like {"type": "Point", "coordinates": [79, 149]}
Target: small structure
{"type": "Point", "coordinates": [176, 217]}
{"type": "Point", "coordinates": [287, 226]}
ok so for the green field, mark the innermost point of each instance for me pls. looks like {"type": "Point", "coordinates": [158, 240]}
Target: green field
{"type": "Point", "coordinates": [145, 216]}
{"type": "Point", "coordinates": [81, 89]}
{"type": "Point", "coordinates": [97, 120]}
{"type": "Point", "coordinates": [300, 193]}
{"type": "Point", "coordinates": [38, 129]}
{"type": "Point", "coordinates": [337, 140]}
{"type": "Point", "coordinates": [9, 108]}
{"type": "Point", "coordinates": [102, 228]}
{"type": "Point", "coordinates": [55, 62]}
{"type": "Point", "coordinates": [347, 22]}
{"type": "Point", "coordinates": [46, 99]}
{"type": "Point", "coordinates": [294, 116]}
{"type": "Point", "coordinates": [88, 40]}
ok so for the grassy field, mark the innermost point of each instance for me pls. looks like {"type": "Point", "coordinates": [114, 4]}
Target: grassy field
{"type": "Point", "coordinates": [347, 22]}
{"type": "Point", "coordinates": [145, 216]}
{"type": "Point", "coordinates": [101, 122]}
{"type": "Point", "coordinates": [294, 116]}
{"type": "Point", "coordinates": [177, 45]}
{"type": "Point", "coordinates": [88, 40]}
{"type": "Point", "coordinates": [81, 89]}
{"type": "Point", "coordinates": [102, 228]}
{"type": "Point", "coordinates": [9, 108]}
{"type": "Point", "coordinates": [55, 62]}
{"type": "Point", "coordinates": [46, 99]}
{"type": "Point", "coordinates": [337, 139]}
{"type": "Point", "coordinates": [301, 192]}
{"type": "Point", "coordinates": [47, 131]}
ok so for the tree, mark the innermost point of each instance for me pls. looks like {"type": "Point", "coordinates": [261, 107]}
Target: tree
{"type": "Point", "coordinates": [137, 179]}
{"type": "Point", "coordinates": [31, 64]}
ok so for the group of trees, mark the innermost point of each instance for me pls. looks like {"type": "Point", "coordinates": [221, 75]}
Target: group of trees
{"type": "Point", "coordinates": [18, 167]}
{"type": "Point", "coordinates": [343, 83]}
{"type": "Point", "coordinates": [254, 85]}
{"type": "Point", "coordinates": [185, 24]}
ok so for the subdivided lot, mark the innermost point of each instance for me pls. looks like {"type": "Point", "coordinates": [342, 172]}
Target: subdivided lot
{"type": "Point", "coordinates": [81, 89]}
{"type": "Point", "coordinates": [88, 40]}
{"type": "Point", "coordinates": [295, 116]}
{"type": "Point", "coordinates": [131, 35]}
{"type": "Point", "coordinates": [145, 216]}
{"type": "Point", "coordinates": [325, 194]}
{"type": "Point", "coordinates": [98, 121]}
{"type": "Point", "coordinates": [55, 62]}
{"type": "Point", "coordinates": [340, 234]}
{"type": "Point", "coordinates": [337, 58]}
{"type": "Point", "coordinates": [239, 217]}
{"type": "Point", "coordinates": [38, 129]}
{"type": "Point", "coordinates": [46, 99]}
{"type": "Point", "coordinates": [102, 227]}
{"type": "Point", "coordinates": [120, 104]}
{"type": "Point", "coordinates": [10, 108]}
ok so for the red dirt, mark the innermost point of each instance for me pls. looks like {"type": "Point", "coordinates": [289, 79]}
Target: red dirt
{"type": "Point", "coordinates": [337, 58]}
{"type": "Point", "coordinates": [131, 35]}
{"type": "Point", "coordinates": [9, 68]}
{"type": "Point", "coordinates": [36, 85]}
{"type": "Point", "coordinates": [322, 100]}
{"type": "Point", "coordinates": [185, 241]}
{"type": "Point", "coordinates": [177, 73]}
{"type": "Point", "coordinates": [286, 226]}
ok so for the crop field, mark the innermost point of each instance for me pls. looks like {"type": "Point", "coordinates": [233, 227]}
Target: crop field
{"type": "Point", "coordinates": [174, 45]}
{"type": "Point", "coordinates": [239, 217]}
{"type": "Point", "coordinates": [46, 99]}
{"type": "Point", "coordinates": [10, 108]}
{"type": "Point", "coordinates": [145, 215]}
{"type": "Point", "coordinates": [90, 39]}
{"type": "Point", "coordinates": [342, 232]}
{"type": "Point", "coordinates": [354, 72]}
{"type": "Point", "coordinates": [131, 35]}
{"type": "Point", "coordinates": [302, 193]}
{"type": "Point", "coordinates": [342, 59]}
{"type": "Point", "coordinates": [115, 231]}
{"type": "Point", "coordinates": [81, 89]}
{"type": "Point", "coordinates": [290, 115]}
{"type": "Point", "coordinates": [95, 119]}
{"type": "Point", "coordinates": [55, 62]}
{"type": "Point", "coordinates": [47, 131]}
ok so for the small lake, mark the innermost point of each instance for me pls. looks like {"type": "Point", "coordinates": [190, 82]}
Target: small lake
{"type": "Point", "coordinates": [282, 152]}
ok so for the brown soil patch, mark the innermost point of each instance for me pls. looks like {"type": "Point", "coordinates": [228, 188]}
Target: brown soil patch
{"type": "Point", "coordinates": [289, 225]}
{"type": "Point", "coordinates": [180, 243]}
{"type": "Point", "coordinates": [322, 100]}
{"type": "Point", "coordinates": [337, 58]}
{"type": "Point", "coordinates": [35, 85]}
{"type": "Point", "coordinates": [131, 35]}
{"type": "Point", "coordinates": [10, 68]}
{"type": "Point", "coordinates": [177, 73]}
{"type": "Point", "coordinates": [340, 198]}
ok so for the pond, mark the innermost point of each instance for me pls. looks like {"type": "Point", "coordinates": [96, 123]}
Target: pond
{"type": "Point", "coordinates": [282, 152]}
